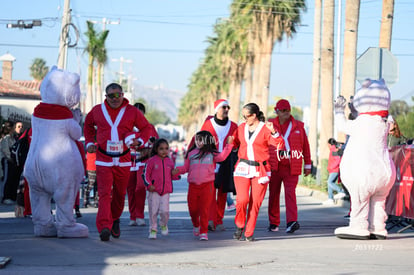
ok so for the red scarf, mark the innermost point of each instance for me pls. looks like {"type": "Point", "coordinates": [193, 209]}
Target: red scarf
{"type": "Point", "coordinates": [377, 113]}
{"type": "Point", "coordinates": [52, 111]}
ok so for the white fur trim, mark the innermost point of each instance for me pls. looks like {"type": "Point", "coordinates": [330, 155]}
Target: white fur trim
{"type": "Point", "coordinates": [224, 102]}
{"type": "Point", "coordinates": [129, 139]}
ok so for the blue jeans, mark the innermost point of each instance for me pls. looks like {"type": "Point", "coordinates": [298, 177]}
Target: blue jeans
{"type": "Point", "coordinates": [333, 186]}
{"type": "Point", "coordinates": [229, 199]}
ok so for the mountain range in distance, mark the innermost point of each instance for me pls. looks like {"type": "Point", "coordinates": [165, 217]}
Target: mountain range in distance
{"type": "Point", "coordinates": [160, 98]}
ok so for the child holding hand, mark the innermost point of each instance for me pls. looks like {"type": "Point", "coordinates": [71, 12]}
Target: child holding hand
{"type": "Point", "coordinates": [158, 175]}
{"type": "Point", "coordinates": [200, 163]}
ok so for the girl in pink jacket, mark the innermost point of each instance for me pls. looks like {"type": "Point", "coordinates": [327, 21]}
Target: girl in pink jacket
{"type": "Point", "coordinates": [200, 164]}
{"type": "Point", "coordinates": [158, 175]}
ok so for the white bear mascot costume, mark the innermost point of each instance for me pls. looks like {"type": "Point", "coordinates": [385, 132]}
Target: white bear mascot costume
{"type": "Point", "coordinates": [54, 166]}
{"type": "Point", "coordinates": [367, 170]}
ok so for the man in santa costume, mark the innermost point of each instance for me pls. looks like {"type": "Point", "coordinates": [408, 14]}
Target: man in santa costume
{"type": "Point", "coordinates": [221, 127]}
{"type": "Point", "coordinates": [287, 166]}
{"type": "Point", "coordinates": [112, 122]}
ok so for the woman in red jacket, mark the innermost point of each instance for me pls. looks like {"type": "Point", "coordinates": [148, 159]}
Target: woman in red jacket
{"type": "Point", "coordinates": [252, 171]}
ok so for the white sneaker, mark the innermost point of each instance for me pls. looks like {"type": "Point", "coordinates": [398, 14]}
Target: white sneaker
{"type": "Point", "coordinates": [152, 235]}
{"type": "Point", "coordinates": [132, 223]}
{"type": "Point", "coordinates": [164, 230]}
{"type": "Point", "coordinates": [339, 196]}
{"type": "Point", "coordinates": [329, 202]}
{"type": "Point", "coordinates": [203, 237]}
{"type": "Point", "coordinates": [140, 222]}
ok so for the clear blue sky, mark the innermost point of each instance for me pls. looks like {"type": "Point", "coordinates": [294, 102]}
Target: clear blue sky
{"type": "Point", "coordinates": [165, 40]}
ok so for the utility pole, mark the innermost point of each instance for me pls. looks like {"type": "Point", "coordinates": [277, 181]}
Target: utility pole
{"type": "Point", "coordinates": [121, 61]}
{"type": "Point", "coordinates": [386, 24]}
{"type": "Point", "coordinates": [63, 45]}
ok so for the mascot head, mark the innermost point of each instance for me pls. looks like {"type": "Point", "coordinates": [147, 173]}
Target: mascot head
{"type": "Point", "coordinates": [373, 96]}
{"type": "Point", "coordinates": [61, 88]}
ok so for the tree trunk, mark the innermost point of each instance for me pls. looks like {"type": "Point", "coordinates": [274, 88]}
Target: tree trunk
{"type": "Point", "coordinates": [316, 74]}
{"type": "Point", "coordinates": [386, 24]}
{"type": "Point", "coordinates": [327, 77]}
{"type": "Point", "coordinates": [350, 51]}
{"type": "Point", "coordinates": [89, 95]}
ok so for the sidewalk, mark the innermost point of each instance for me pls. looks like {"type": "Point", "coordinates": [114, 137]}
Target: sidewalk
{"type": "Point", "coordinates": [311, 250]}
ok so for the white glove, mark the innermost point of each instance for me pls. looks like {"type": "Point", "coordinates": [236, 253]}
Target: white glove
{"type": "Point", "coordinates": [339, 105]}
{"type": "Point", "coordinates": [77, 115]}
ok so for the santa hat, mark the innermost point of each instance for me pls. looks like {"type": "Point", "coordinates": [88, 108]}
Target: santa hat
{"type": "Point", "coordinates": [220, 103]}
{"type": "Point", "coordinates": [282, 104]}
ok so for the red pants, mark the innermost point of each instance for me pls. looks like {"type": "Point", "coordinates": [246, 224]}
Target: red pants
{"type": "Point", "coordinates": [218, 205]}
{"type": "Point", "coordinates": [199, 200]}
{"type": "Point", "coordinates": [27, 206]}
{"type": "Point", "coordinates": [289, 184]}
{"type": "Point", "coordinates": [136, 194]}
{"type": "Point", "coordinates": [250, 195]}
{"type": "Point", "coordinates": [112, 185]}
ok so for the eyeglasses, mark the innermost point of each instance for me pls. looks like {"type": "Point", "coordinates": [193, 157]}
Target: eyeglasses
{"type": "Point", "coordinates": [114, 95]}
{"type": "Point", "coordinates": [226, 107]}
{"type": "Point", "coordinates": [283, 111]}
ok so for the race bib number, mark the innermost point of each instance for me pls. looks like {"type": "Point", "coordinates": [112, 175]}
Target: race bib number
{"type": "Point", "coordinates": [242, 169]}
{"type": "Point", "coordinates": [114, 147]}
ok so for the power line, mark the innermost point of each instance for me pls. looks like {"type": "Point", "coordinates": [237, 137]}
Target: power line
{"type": "Point", "coordinates": [169, 50]}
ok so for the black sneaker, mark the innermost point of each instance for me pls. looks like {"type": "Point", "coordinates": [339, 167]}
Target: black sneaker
{"type": "Point", "coordinates": [238, 234]}
{"type": "Point", "coordinates": [105, 234]}
{"type": "Point", "coordinates": [292, 227]}
{"type": "Point", "coordinates": [116, 231]}
{"type": "Point", "coordinates": [273, 228]}
{"type": "Point", "coordinates": [250, 239]}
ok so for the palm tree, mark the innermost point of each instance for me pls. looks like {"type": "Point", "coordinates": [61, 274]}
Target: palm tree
{"type": "Point", "coordinates": [38, 69]}
{"type": "Point", "coordinates": [91, 49]}
{"type": "Point", "coordinates": [316, 74]}
{"type": "Point", "coordinates": [350, 49]}
{"type": "Point", "coordinates": [267, 21]}
{"type": "Point", "coordinates": [327, 77]}
{"type": "Point", "coordinates": [101, 58]}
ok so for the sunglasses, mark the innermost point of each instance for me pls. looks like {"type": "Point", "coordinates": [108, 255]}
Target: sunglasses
{"type": "Point", "coordinates": [284, 110]}
{"type": "Point", "coordinates": [114, 95]}
{"type": "Point", "coordinates": [226, 107]}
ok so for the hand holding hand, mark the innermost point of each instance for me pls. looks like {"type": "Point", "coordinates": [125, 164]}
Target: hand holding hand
{"type": "Point", "coordinates": [307, 172]}
{"type": "Point", "coordinates": [230, 139]}
{"type": "Point", "coordinates": [91, 149]}
{"type": "Point", "coordinates": [271, 127]}
{"type": "Point", "coordinates": [175, 171]}
{"type": "Point", "coordinates": [151, 188]}
{"type": "Point", "coordinates": [135, 143]}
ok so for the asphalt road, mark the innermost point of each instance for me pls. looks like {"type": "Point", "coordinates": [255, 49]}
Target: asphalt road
{"type": "Point", "coordinates": [311, 250]}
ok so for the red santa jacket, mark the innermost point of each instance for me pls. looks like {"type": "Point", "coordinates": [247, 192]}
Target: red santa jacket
{"type": "Point", "coordinates": [114, 132]}
{"type": "Point", "coordinates": [157, 172]}
{"type": "Point", "coordinates": [220, 133]}
{"type": "Point", "coordinates": [254, 151]}
{"type": "Point", "coordinates": [296, 147]}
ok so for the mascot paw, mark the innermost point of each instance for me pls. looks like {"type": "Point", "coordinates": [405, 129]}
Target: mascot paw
{"type": "Point", "coordinates": [77, 230]}
{"type": "Point", "coordinates": [350, 233]}
{"type": "Point", "coordinates": [340, 104]}
{"type": "Point", "coordinates": [77, 115]}
{"type": "Point", "coordinates": [47, 231]}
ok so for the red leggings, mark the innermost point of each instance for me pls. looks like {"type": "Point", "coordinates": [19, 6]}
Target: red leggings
{"type": "Point", "coordinates": [137, 194]}
{"type": "Point", "coordinates": [218, 206]}
{"type": "Point", "coordinates": [199, 201]}
{"type": "Point", "coordinates": [250, 195]}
